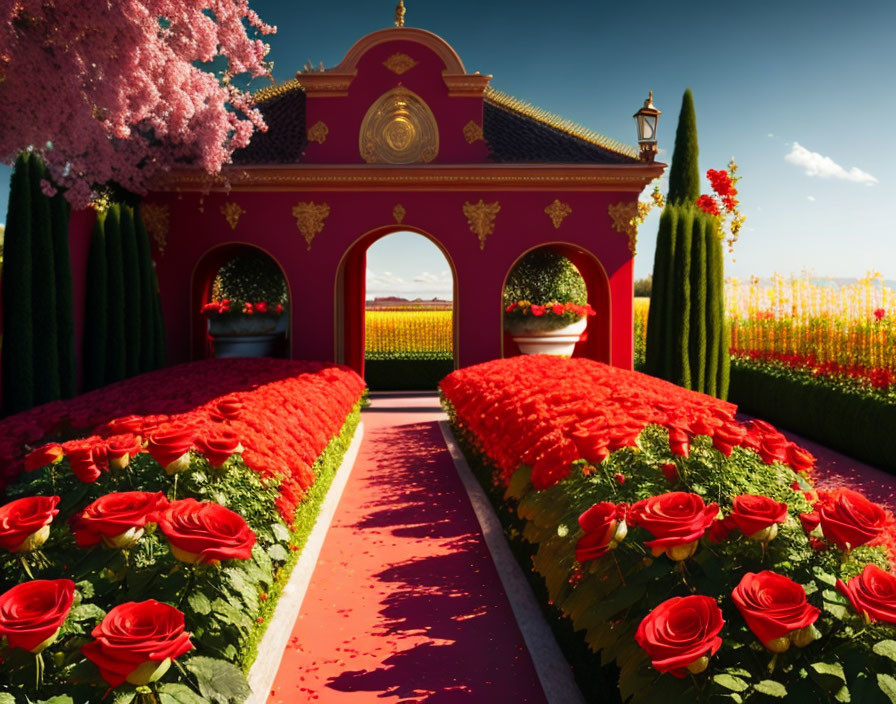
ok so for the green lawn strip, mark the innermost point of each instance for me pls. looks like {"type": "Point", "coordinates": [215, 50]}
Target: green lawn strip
{"type": "Point", "coordinates": [325, 468]}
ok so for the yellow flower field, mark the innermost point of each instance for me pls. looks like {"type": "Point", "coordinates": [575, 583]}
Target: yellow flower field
{"type": "Point", "coordinates": [411, 334]}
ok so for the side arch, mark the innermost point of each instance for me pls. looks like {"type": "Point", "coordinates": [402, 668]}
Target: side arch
{"type": "Point", "coordinates": [204, 272]}
{"type": "Point", "coordinates": [349, 294]}
{"type": "Point", "coordinates": [597, 343]}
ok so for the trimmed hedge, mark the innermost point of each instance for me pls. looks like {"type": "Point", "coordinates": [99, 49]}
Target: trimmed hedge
{"type": "Point", "coordinates": [405, 374]}
{"type": "Point", "coordinates": [859, 425]}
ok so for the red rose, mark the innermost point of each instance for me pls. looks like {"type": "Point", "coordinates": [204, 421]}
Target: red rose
{"type": "Point", "coordinates": [51, 453]}
{"type": "Point", "coordinates": [87, 458]}
{"type": "Point", "coordinates": [125, 424]}
{"type": "Point", "coordinates": [117, 519]}
{"type": "Point", "coordinates": [729, 436]}
{"type": "Point", "coordinates": [681, 634]}
{"type": "Point", "coordinates": [775, 609]}
{"type": "Point", "coordinates": [169, 444]}
{"type": "Point", "coordinates": [773, 449]}
{"type": "Point", "coordinates": [25, 523]}
{"type": "Point", "coordinates": [32, 612]}
{"type": "Point", "coordinates": [261, 307]}
{"type": "Point", "coordinates": [591, 440]}
{"type": "Point", "coordinates": [218, 445]}
{"type": "Point", "coordinates": [799, 459]}
{"type": "Point", "coordinates": [228, 408]}
{"type": "Point", "coordinates": [137, 641]}
{"type": "Point", "coordinates": [624, 435]}
{"type": "Point", "coordinates": [872, 594]}
{"type": "Point", "coordinates": [537, 310]}
{"type": "Point", "coordinates": [677, 520]}
{"type": "Point", "coordinates": [757, 516]}
{"type": "Point", "coordinates": [679, 442]}
{"type": "Point", "coordinates": [670, 472]}
{"type": "Point", "coordinates": [849, 520]}
{"type": "Point", "coordinates": [205, 532]}
{"type": "Point", "coordinates": [718, 531]}
{"type": "Point", "coordinates": [558, 309]}
{"type": "Point", "coordinates": [604, 528]}
{"type": "Point", "coordinates": [121, 448]}
{"type": "Point", "coordinates": [810, 521]}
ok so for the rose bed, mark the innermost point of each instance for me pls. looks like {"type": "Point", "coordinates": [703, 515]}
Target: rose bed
{"type": "Point", "coordinates": [688, 551]}
{"type": "Point", "coordinates": [156, 521]}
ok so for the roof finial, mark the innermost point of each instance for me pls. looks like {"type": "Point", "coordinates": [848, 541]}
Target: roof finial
{"type": "Point", "coordinates": [399, 14]}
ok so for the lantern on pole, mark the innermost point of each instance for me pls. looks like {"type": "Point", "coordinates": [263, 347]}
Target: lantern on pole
{"type": "Point", "coordinates": [645, 121]}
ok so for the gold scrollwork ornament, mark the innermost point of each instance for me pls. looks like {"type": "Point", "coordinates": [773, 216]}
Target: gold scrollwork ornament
{"type": "Point", "coordinates": [481, 219]}
{"type": "Point", "coordinates": [626, 217]}
{"type": "Point", "coordinates": [156, 218]}
{"type": "Point", "coordinates": [398, 212]}
{"type": "Point", "coordinates": [472, 132]}
{"type": "Point", "coordinates": [310, 219]}
{"type": "Point", "coordinates": [399, 63]}
{"type": "Point", "coordinates": [318, 132]}
{"type": "Point", "coordinates": [232, 213]}
{"type": "Point", "coordinates": [558, 211]}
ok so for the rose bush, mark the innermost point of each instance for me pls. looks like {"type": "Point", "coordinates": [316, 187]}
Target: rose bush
{"type": "Point", "coordinates": [185, 566]}
{"type": "Point", "coordinates": [718, 513]}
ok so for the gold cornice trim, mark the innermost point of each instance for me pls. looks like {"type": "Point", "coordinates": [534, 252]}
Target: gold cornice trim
{"type": "Point", "coordinates": [558, 123]}
{"type": "Point", "coordinates": [276, 90]}
{"type": "Point", "coordinates": [448, 177]}
{"type": "Point", "coordinates": [466, 85]}
{"type": "Point", "coordinates": [325, 84]}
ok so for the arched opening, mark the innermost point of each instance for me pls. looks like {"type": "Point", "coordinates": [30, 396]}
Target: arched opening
{"type": "Point", "coordinates": [595, 341]}
{"type": "Point", "coordinates": [243, 274]}
{"type": "Point", "coordinates": [396, 321]}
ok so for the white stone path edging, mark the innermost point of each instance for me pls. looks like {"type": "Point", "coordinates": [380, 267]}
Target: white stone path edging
{"type": "Point", "coordinates": [553, 670]}
{"type": "Point", "coordinates": [273, 643]}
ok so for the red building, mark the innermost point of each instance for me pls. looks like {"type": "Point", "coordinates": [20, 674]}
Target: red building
{"type": "Point", "coordinates": [400, 136]}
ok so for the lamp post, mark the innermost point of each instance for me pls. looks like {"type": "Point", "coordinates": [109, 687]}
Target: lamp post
{"type": "Point", "coordinates": [645, 121]}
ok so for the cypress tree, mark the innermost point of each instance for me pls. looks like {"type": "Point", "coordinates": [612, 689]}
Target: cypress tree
{"type": "Point", "coordinates": [96, 321]}
{"type": "Point", "coordinates": [714, 314]}
{"type": "Point", "coordinates": [147, 296]}
{"type": "Point", "coordinates": [681, 372]}
{"type": "Point", "coordinates": [684, 171]}
{"type": "Point", "coordinates": [718, 302]}
{"type": "Point", "coordinates": [666, 303]}
{"type": "Point", "coordinates": [655, 319]}
{"type": "Point", "coordinates": [697, 350]}
{"type": "Point", "coordinates": [116, 351]}
{"type": "Point", "coordinates": [65, 317]}
{"type": "Point", "coordinates": [17, 353]}
{"type": "Point", "coordinates": [131, 274]}
{"type": "Point", "coordinates": [43, 291]}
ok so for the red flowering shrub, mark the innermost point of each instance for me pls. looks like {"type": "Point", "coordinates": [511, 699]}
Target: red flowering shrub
{"type": "Point", "coordinates": [721, 518]}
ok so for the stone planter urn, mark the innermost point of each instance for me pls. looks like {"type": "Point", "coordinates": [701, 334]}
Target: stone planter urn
{"type": "Point", "coordinates": [559, 341]}
{"type": "Point", "coordinates": [257, 335]}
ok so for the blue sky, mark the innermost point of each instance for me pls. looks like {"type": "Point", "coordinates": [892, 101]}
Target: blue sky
{"type": "Point", "coordinates": [801, 93]}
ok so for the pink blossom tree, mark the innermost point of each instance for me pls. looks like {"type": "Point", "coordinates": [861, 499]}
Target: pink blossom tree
{"type": "Point", "coordinates": [116, 91]}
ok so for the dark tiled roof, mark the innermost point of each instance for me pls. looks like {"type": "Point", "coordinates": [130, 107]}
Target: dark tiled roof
{"type": "Point", "coordinates": [285, 140]}
{"type": "Point", "coordinates": [513, 136]}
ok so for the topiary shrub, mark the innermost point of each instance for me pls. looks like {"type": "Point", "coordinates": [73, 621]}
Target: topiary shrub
{"type": "Point", "coordinates": [544, 291]}
{"type": "Point", "coordinates": [252, 276]}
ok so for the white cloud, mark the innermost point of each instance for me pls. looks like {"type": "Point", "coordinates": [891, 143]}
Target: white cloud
{"type": "Point", "coordinates": [811, 198]}
{"type": "Point", "coordinates": [422, 285]}
{"type": "Point", "coordinates": [771, 135]}
{"type": "Point", "coordinates": [816, 164]}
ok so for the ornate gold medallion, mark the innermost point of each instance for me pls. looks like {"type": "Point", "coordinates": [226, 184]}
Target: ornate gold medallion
{"type": "Point", "coordinates": [626, 218]}
{"type": "Point", "coordinates": [399, 128]}
{"type": "Point", "coordinates": [472, 132]}
{"type": "Point", "coordinates": [400, 63]}
{"type": "Point", "coordinates": [557, 211]}
{"type": "Point", "coordinates": [318, 132]}
{"type": "Point", "coordinates": [310, 219]}
{"type": "Point", "coordinates": [398, 212]}
{"type": "Point", "coordinates": [481, 219]}
{"type": "Point", "coordinates": [232, 212]}
{"type": "Point", "coordinates": [156, 218]}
